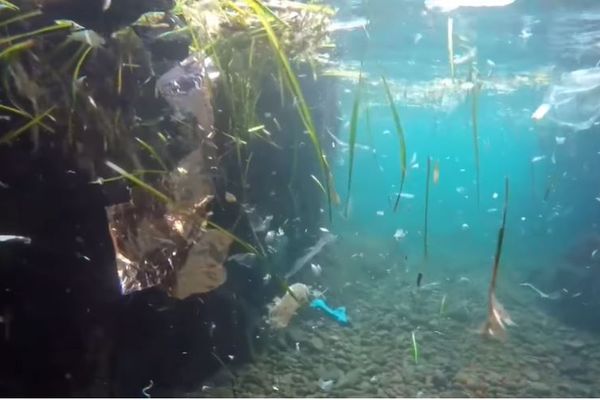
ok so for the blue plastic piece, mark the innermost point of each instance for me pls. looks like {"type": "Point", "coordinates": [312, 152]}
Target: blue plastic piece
{"type": "Point", "coordinates": [337, 314]}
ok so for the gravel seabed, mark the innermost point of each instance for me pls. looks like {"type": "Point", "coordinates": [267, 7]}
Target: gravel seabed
{"type": "Point", "coordinates": [541, 356]}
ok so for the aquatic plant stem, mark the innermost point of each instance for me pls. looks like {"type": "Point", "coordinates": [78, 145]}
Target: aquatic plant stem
{"type": "Point", "coordinates": [426, 220]}
{"type": "Point", "coordinates": [492, 288]}
{"type": "Point", "coordinates": [500, 236]}
{"type": "Point", "coordinates": [532, 169]}
{"type": "Point", "coordinates": [352, 140]}
{"type": "Point", "coordinates": [474, 122]}
{"type": "Point", "coordinates": [152, 152]}
{"type": "Point", "coordinates": [37, 32]}
{"type": "Point", "coordinates": [78, 70]}
{"type": "Point", "coordinates": [400, 133]}
{"type": "Point", "coordinates": [13, 135]}
{"type": "Point", "coordinates": [294, 87]}
{"type": "Point", "coordinates": [415, 348]}
{"type": "Point", "coordinates": [134, 179]}
{"type": "Point", "coordinates": [9, 5]}
{"type": "Point", "coordinates": [20, 17]}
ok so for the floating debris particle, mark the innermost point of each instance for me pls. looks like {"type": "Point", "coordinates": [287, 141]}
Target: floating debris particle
{"type": "Point", "coordinates": [145, 389]}
{"type": "Point", "coordinates": [325, 239]}
{"type": "Point", "coordinates": [266, 278]}
{"type": "Point", "coordinates": [358, 23]}
{"type": "Point", "coordinates": [419, 279]}
{"type": "Point", "coordinates": [436, 173]}
{"type": "Point", "coordinates": [230, 197]}
{"type": "Point", "coordinates": [413, 159]}
{"type": "Point", "coordinates": [325, 385]}
{"type": "Point", "coordinates": [552, 296]}
{"type": "Point", "coordinates": [15, 238]}
{"type": "Point", "coordinates": [538, 159]}
{"type": "Point", "coordinates": [316, 269]}
{"type": "Point", "coordinates": [245, 259]}
{"type": "Point", "coordinates": [380, 213]}
{"type": "Point", "coordinates": [560, 139]}
{"type": "Point", "coordinates": [400, 234]}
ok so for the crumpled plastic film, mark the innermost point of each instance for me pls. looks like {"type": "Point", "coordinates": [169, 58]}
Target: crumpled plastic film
{"type": "Point", "coordinates": [574, 102]}
{"type": "Point", "coordinates": [169, 245]}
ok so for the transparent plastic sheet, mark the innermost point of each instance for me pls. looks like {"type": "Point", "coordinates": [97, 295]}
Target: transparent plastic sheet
{"type": "Point", "coordinates": [166, 245]}
{"type": "Point", "coordinates": [449, 5]}
{"type": "Point", "coordinates": [574, 102]}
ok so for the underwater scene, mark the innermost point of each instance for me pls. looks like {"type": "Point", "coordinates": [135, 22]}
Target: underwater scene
{"type": "Point", "coordinates": [276, 198]}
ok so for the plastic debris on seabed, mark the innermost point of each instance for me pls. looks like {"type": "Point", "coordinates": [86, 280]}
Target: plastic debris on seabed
{"type": "Point", "coordinates": [282, 309]}
{"type": "Point", "coordinates": [325, 385]}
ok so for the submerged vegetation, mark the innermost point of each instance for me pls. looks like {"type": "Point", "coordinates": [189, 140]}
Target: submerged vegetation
{"type": "Point", "coordinates": [400, 133]}
{"type": "Point", "coordinates": [497, 318]}
{"type": "Point", "coordinates": [352, 140]}
{"type": "Point", "coordinates": [54, 80]}
{"type": "Point", "coordinates": [475, 127]}
{"type": "Point", "coordinates": [191, 147]}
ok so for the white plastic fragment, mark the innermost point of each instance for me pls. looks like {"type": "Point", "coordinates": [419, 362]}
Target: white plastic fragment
{"type": "Point", "coordinates": [540, 112]}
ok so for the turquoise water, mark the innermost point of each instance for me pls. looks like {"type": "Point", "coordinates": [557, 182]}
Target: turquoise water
{"type": "Point", "coordinates": [164, 228]}
{"type": "Point", "coordinates": [551, 208]}
{"type": "Point", "coordinates": [508, 140]}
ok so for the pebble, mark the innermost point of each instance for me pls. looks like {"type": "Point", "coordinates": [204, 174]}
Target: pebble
{"type": "Point", "coordinates": [453, 363]}
{"type": "Point", "coordinates": [316, 343]}
{"type": "Point", "coordinates": [350, 378]}
{"type": "Point", "coordinates": [574, 344]}
{"type": "Point", "coordinates": [539, 388]}
{"type": "Point", "coordinates": [531, 374]}
{"type": "Point", "coordinates": [439, 379]}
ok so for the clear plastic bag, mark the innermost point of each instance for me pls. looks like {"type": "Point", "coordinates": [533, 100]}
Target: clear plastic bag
{"type": "Point", "coordinates": [574, 102]}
